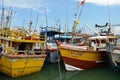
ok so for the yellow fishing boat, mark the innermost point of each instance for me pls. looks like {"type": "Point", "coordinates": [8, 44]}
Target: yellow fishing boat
{"type": "Point", "coordinates": [22, 53]}
{"type": "Point", "coordinates": [0, 64]}
{"type": "Point", "coordinates": [90, 55]}
{"type": "Point", "coordinates": [80, 57]}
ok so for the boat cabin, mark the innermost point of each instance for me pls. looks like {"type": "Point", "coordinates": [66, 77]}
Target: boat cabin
{"type": "Point", "coordinates": [13, 42]}
{"type": "Point", "coordinates": [101, 41]}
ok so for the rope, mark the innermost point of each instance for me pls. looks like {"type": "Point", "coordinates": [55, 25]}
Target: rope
{"type": "Point", "coordinates": [25, 63]}
{"type": "Point", "coordinates": [59, 68]}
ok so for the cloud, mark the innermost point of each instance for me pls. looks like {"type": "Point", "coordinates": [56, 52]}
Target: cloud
{"type": "Point", "coordinates": [27, 4]}
{"type": "Point", "coordinates": [103, 2]}
{"type": "Point", "coordinates": [117, 30]}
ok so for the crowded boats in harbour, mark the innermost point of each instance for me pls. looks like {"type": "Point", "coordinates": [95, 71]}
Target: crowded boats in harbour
{"type": "Point", "coordinates": [24, 50]}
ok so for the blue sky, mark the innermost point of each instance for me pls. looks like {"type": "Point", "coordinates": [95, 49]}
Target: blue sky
{"type": "Point", "coordinates": [94, 12]}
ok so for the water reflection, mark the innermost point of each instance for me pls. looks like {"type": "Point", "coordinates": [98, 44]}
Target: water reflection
{"type": "Point", "coordinates": [56, 72]}
{"type": "Point", "coordinates": [69, 75]}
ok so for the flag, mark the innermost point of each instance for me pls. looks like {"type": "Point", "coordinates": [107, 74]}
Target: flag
{"type": "Point", "coordinates": [82, 3]}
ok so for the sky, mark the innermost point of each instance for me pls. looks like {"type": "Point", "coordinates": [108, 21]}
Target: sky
{"type": "Point", "coordinates": [62, 12]}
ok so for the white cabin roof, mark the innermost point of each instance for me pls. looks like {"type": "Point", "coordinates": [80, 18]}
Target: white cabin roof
{"type": "Point", "coordinates": [103, 37]}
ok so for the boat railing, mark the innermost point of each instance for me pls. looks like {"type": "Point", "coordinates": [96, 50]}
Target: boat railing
{"type": "Point", "coordinates": [12, 35]}
{"type": "Point", "coordinates": [42, 37]}
{"type": "Point", "coordinates": [29, 52]}
{"type": "Point", "coordinates": [25, 52]}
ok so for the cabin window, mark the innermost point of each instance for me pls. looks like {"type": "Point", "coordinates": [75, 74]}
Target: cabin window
{"type": "Point", "coordinates": [111, 40]}
{"type": "Point", "coordinates": [97, 41]}
{"type": "Point", "coordinates": [93, 41]}
{"type": "Point", "coordinates": [9, 43]}
{"type": "Point", "coordinates": [103, 41]}
{"type": "Point", "coordinates": [21, 48]}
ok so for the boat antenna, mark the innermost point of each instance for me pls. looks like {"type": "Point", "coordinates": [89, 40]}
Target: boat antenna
{"type": "Point", "coordinates": [2, 17]}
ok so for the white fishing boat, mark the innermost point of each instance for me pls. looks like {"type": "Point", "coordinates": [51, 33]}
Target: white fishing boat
{"type": "Point", "coordinates": [52, 52]}
{"type": "Point", "coordinates": [113, 51]}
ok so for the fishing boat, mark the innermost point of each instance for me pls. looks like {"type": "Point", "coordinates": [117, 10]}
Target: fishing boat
{"type": "Point", "coordinates": [82, 57]}
{"type": "Point", "coordinates": [114, 56]}
{"type": "Point", "coordinates": [113, 51]}
{"type": "Point", "coordinates": [21, 54]}
{"type": "Point", "coordinates": [87, 56]}
{"type": "Point", "coordinates": [22, 50]}
{"type": "Point", "coordinates": [52, 53]}
{"type": "Point", "coordinates": [0, 56]}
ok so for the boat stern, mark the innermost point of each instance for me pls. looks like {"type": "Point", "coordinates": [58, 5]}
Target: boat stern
{"type": "Point", "coordinates": [20, 65]}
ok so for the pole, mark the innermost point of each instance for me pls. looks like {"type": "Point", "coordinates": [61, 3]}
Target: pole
{"type": "Point", "coordinates": [36, 21]}
{"type": "Point", "coordinates": [46, 26]}
{"type": "Point", "coordinates": [2, 17]}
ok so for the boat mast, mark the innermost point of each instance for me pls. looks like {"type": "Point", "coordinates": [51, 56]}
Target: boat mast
{"type": "Point", "coordinates": [2, 17]}
{"type": "Point", "coordinates": [30, 24]}
{"type": "Point", "coordinates": [66, 25]}
{"type": "Point", "coordinates": [8, 18]}
{"type": "Point", "coordinates": [109, 24]}
{"type": "Point", "coordinates": [76, 19]}
{"type": "Point", "coordinates": [46, 26]}
{"type": "Point", "coordinates": [74, 25]}
{"type": "Point", "coordinates": [36, 22]}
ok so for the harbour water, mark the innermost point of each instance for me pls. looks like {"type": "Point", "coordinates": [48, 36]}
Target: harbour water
{"type": "Point", "coordinates": [57, 71]}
